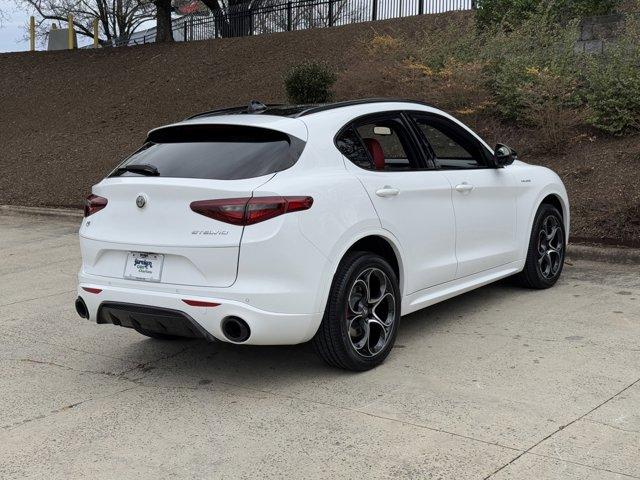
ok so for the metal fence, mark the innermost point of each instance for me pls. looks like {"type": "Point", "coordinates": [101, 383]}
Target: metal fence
{"type": "Point", "coordinates": [271, 16]}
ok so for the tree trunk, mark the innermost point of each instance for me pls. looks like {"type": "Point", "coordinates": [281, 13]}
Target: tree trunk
{"type": "Point", "coordinates": [239, 20]}
{"type": "Point", "coordinates": [164, 32]}
{"type": "Point", "coordinates": [236, 21]}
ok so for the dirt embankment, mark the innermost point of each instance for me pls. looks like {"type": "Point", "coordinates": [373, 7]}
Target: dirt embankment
{"type": "Point", "coordinates": [68, 117]}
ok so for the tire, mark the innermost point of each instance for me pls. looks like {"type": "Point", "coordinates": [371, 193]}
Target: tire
{"type": "Point", "coordinates": [545, 256]}
{"type": "Point", "coordinates": [158, 336]}
{"type": "Point", "coordinates": [358, 330]}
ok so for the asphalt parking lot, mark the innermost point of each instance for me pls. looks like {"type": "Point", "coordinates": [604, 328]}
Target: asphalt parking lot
{"type": "Point", "coordinates": [498, 383]}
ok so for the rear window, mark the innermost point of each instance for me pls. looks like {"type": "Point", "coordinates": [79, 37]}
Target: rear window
{"type": "Point", "coordinates": [216, 152]}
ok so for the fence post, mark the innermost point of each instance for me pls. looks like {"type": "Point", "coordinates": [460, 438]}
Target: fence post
{"type": "Point", "coordinates": [289, 17]}
{"type": "Point", "coordinates": [32, 34]}
{"type": "Point", "coordinates": [184, 31]}
{"type": "Point", "coordinates": [95, 33]}
{"type": "Point", "coordinates": [420, 7]}
{"type": "Point", "coordinates": [374, 10]}
{"type": "Point", "coordinates": [331, 13]}
{"type": "Point", "coordinates": [70, 32]}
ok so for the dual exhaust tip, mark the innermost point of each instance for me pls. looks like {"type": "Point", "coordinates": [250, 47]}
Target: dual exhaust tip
{"type": "Point", "coordinates": [234, 328]}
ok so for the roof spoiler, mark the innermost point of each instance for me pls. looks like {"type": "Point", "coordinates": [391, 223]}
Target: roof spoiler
{"type": "Point", "coordinates": [253, 107]}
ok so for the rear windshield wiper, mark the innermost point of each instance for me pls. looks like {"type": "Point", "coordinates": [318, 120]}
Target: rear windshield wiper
{"type": "Point", "coordinates": [142, 169]}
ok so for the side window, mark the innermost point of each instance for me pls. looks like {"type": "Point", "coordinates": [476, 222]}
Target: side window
{"type": "Point", "coordinates": [450, 146]}
{"type": "Point", "coordinates": [351, 147]}
{"type": "Point", "coordinates": [383, 141]}
{"type": "Point", "coordinates": [442, 145]}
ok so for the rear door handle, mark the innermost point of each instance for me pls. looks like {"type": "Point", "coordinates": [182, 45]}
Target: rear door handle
{"type": "Point", "coordinates": [387, 191]}
{"type": "Point", "coordinates": [464, 187]}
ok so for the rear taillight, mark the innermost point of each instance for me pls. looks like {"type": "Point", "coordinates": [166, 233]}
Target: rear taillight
{"type": "Point", "coordinates": [94, 204]}
{"type": "Point", "coordinates": [247, 211]}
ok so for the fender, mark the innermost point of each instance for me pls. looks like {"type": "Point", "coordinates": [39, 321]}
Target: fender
{"type": "Point", "coordinates": [557, 190]}
{"type": "Point", "coordinates": [341, 248]}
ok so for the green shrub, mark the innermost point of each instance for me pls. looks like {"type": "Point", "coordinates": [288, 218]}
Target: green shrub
{"type": "Point", "coordinates": [530, 73]}
{"type": "Point", "coordinates": [533, 73]}
{"type": "Point", "coordinates": [453, 41]}
{"type": "Point", "coordinates": [613, 84]}
{"type": "Point", "coordinates": [493, 13]}
{"type": "Point", "coordinates": [511, 13]}
{"type": "Point", "coordinates": [442, 62]}
{"type": "Point", "coordinates": [310, 83]}
{"type": "Point", "coordinates": [587, 8]}
{"type": "Point", "coordinates": [520, 62]}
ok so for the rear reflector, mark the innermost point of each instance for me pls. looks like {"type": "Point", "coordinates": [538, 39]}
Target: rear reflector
{"type": "Point", "coordinates": [93, 204]}
{"type": "Point", "coordinates": [92, 290]}
{"type": "Point", "coordinates": [247, 211]}
{"type": "Point", "coordinates": [198, 303]}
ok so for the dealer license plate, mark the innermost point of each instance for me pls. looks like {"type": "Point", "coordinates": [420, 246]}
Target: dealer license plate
{"type": "Point", "coordinates": [144, 266]}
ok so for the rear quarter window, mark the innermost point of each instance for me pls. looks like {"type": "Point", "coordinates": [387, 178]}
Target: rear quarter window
{"type": "Point", "coordinates": [216, 152]}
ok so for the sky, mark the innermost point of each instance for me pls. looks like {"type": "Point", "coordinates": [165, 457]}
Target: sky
{"type": "Point", "coordinates": [13, 27]}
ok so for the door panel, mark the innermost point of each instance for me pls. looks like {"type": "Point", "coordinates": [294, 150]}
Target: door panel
{"type": "Point", "coordinates": [421, 216]}
{"type": "Point", "coordinates": [484, 198]}
{"type": "Point", "coordinates": [412, 200]}
{"type": "Point", "coordinates": [484, 202]}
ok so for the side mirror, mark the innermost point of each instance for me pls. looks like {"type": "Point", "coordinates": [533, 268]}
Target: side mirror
{"type": "Point", "coordinates": [504, 155]}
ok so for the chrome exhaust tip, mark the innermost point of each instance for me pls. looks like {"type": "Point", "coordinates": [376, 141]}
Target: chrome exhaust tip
{"type": "Point", "coordinates": [235, 329]}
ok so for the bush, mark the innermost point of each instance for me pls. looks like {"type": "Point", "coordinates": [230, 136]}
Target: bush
{"type": "Point", "coordinates": [613, 84]}
{"type": "Point", "coordinates": [310, 83]}
{"type": "Point", "coordinates": [452, 42]}
{"type": "Point", "coordinates": [533, 74]}
{"type": "Point", "coordinates": [442, 62]}
{"type": "Point", "coordinates": [529, 73]}
{"type": "Point", "coordinates": [493, 13]}
{"type": "Point", "coordinates": [511, 13]}
{"type": "Point", "coordinates": [587, 8]}
{"type": "Point", "coordinates": [519, 62]}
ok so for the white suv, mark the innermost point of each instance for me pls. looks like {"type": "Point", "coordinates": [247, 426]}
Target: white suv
{"type": "Point", "coordinates": [270, 225]}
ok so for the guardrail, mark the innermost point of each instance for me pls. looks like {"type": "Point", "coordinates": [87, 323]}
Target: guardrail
{"type": "Point", "coordinates": [273, 16]}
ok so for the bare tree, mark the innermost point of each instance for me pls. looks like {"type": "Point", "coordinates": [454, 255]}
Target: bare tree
{"type": "Point", "coordinates": [164, 29]}
{"type": "Point", "coordinates": [118, 19]}
{"type": "Point", "coordinates": [232, 17]}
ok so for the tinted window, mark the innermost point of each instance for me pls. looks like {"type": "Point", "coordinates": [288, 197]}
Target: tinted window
{"type": "Point", "coordinates": [351, 147]}
{"type": "Point", "coordinates": [387, 136]}
{"type": "Point", "coordinates": [380, 143]}
{"type": "Point", "coordinates": [452, 147]}
{"type": "Point", "coordinates": [215, 152]}
{"type": "Point", "coordinates": [443, 146]}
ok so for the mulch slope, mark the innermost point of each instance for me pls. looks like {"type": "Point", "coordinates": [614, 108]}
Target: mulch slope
{"type": "Point", "coordinates": [69, 117]}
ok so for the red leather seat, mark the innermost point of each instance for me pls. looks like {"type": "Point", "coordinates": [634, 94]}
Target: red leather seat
{"type": "Point", "coordinates": [375, 149]}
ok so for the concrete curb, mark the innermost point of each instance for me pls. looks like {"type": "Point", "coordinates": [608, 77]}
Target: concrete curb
{"type": "Point", "coordinates": [43, 211]}
{"type": "Point", "coordinates": [628, 256]}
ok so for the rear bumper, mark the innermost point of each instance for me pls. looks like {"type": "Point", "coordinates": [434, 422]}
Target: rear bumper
{"type": "Point", "coordinates": [151, 319]}
{"type": "Point", "coordinates": [267, 328]}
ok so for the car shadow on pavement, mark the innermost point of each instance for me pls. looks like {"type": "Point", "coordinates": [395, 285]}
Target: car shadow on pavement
{"type": "Point", "coordinates": [197, 363]}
